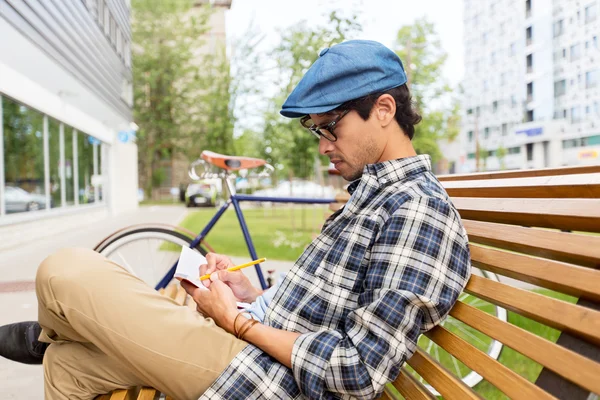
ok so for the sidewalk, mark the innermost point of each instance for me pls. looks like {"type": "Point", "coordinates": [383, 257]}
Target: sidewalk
{"type": "Point", "coordinates": [18, 265]}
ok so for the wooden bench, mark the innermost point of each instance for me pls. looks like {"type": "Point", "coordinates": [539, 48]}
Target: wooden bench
{"type": "Point", "coordinates": [536, 227]}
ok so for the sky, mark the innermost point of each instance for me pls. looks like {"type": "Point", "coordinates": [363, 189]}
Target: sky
{"type": "Point", "coordinates": [380, 19]}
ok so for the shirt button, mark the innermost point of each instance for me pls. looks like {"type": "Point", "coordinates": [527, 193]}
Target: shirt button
{"type": "Point", "coordinates": [322, 53]}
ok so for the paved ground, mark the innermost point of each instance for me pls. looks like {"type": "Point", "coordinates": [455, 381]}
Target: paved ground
{"type": "Point", "coordinates": [19, 262]}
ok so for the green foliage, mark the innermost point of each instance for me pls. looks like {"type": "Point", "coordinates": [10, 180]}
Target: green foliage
{"type": "Point", "coordinates": [501, 153]}
{"type": "Point", "coordinates": [420, 49]}
{"type": "Point", "coordinates": [166, 36]}
{"type": "Point", "coordinates": [286, 143]}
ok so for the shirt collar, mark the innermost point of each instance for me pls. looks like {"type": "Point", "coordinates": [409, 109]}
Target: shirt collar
{"type": "Point", "coordinates": [393, 171]}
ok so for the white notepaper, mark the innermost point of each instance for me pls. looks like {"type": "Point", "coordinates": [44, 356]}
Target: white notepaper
{"type": "Point", "coordinates": [188, 266]}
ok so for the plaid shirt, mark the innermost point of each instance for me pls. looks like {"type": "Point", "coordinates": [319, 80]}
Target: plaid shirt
{"type": "Point", "coordinates": [386, 268]}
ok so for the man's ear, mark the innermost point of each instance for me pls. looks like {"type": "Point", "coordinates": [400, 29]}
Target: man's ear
{"type": "Point", "coordinates": [385, 109]}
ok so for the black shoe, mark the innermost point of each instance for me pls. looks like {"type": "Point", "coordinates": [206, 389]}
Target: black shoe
{"type": "Point", "coordinates": [19, 342]}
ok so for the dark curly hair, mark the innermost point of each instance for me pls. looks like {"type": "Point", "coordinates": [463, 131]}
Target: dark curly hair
{"type": "Point", "coordinates": [406, 116]}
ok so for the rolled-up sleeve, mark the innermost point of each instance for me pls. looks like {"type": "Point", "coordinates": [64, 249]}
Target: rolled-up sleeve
{"type": "Point", "coordinates": [418, 265]}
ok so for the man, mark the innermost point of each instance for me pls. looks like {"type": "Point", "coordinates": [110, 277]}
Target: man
{"type": "Point", "coordinates": [384, 269]}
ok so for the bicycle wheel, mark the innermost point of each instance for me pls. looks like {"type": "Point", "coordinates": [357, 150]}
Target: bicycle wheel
{"type": "Point", "coordinates": [483, 342]}
{"type": "Point", "coordinates": [147, 251]}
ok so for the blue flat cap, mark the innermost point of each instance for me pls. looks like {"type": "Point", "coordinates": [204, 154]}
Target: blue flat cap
{"type": "Point", "coordinates": [344, 72]}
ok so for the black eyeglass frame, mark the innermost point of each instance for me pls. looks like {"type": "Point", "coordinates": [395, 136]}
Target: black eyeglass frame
{"type": "Point", "coordinates": [329, 127]}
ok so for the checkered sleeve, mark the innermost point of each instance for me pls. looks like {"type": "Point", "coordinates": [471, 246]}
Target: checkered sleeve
{"type": "Point", "coordinates": [419, 264]}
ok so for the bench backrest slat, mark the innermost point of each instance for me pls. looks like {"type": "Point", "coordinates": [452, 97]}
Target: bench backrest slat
{"type": "Point", "coordinates": [508, 381]}
{"type": "Point", "coordinates": [445, 382]}
{"type": "Point", "coordinates": [567, 247]}
{"type": "Point", "coordinates": [522, 173]}
{"type": "Point", "coordinates": [410, 388]}
{"type": "Point", "coordinates": [567, 278]}
{"type": "Point", "coordinates": [542, 351]}
{"type": "Point", "coordinates": [573, 186]}
{"type": "Point", "coordinates": [569, 214]}
{"type": "Point", "coordinates": [558, 314]}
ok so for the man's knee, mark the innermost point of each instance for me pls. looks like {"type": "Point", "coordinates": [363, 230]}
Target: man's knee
{"type": "Point", "coordinates": [66, 264]}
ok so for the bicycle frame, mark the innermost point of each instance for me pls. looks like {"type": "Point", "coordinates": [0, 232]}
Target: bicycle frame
{"type": "Point", "coordinates": [235, 200]}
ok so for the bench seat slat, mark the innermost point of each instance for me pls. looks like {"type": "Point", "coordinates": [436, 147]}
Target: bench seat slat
{"type": "Point", "coordinates": [548, 354]}
{"type": "Point", "coordinates": [411, 388]}
{"type": "Point", "coordinates": [555, 275]}
{"type": "Point", "coordinates": [508, 381]}
{"type": "Point", "coordinates": [579, 321]}
{"type": "Point", "coordinates": [567, 247]}
{"type": "Point", "coordinates": [148, 394]}
{"type": "Point", "coordinates": [571, 214]}
{"type": "Point", "coordinates": [437, 376]}
{"type": "Point", "coordinates": [573, 186]}
{"type": "Point", "coordinates": [522, 173]}
{"type": "Point", "coordinates": [124, 394]}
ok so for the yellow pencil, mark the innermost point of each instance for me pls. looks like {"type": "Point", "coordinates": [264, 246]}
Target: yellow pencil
{"type": "Point", "coordinates": [238, 267]}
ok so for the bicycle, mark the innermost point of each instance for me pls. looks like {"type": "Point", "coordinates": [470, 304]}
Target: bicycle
{"type": "Point", "coordinates": [170, 239]}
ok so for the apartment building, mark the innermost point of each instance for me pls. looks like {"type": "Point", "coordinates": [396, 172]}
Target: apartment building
{"type": "Point", "coordinates": [532, 84]}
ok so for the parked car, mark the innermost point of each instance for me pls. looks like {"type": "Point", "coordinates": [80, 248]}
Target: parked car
{"type": "Point", "coordinates": [20, 200]}
{"type": "Point", "coordinates": [303, 189]}
{"type": "Point", "coordinates": [201, 194]}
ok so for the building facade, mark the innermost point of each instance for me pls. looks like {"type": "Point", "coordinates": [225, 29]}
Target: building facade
{"type": "Point", "coordinates": [532, 84]}
{"type": "Point", "coordinates": [66, 140]}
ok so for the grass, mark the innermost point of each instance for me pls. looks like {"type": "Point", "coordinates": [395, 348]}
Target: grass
{"type": "Point", "coordinates": [279, 233]}
{"type": "Point", "coordinates": [517, 362]}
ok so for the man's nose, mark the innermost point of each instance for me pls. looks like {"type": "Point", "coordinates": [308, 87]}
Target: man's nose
{"type": "Point", "coordinates": [325, 146]}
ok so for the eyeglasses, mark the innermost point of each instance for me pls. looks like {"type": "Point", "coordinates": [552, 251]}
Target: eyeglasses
{"type": "Point", "coordinates": [323, 130]}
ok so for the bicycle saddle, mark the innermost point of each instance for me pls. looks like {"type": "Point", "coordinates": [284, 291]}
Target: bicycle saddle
{"type": "Point", "coordinates": [231, 163]}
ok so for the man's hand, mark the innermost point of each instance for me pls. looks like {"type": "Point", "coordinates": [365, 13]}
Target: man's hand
{"type": "Point", "coordinates": [218, 302]}
{"type": "Point", "coordinates": [237, 281]}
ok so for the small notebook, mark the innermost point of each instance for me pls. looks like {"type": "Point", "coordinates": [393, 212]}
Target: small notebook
{"type": "Point", "coordinates": [188, 268]}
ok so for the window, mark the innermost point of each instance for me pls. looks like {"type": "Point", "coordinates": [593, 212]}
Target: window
{"type": "Point", "coordinates": [529, 147]}
{"type": "Point", "coordinates": [576, 52]}
{"type": "Point", "coordinates": [564, 53]}
{"type": "Point", "coordinates": [560, 88]}
{"type": "Point", "coordinates": [504, 129]}
{"type": "Point", "coordinates": [69, 135]}
{"type": "Point", "coordinates": [575, 114]}
{"type": "Point", "coordinates": [592, 78]}
{"type": "Point", "coordinates": [55, 162]}
{"type": "Point", "coordinates": [486, 132]}
{"type": "Point", "coordinates": [591, 13]}
{"type": "Point", "coordinates": [530, 91]}
{"type": "Point", "coordinates": [529, 35]}
{"type": "Point", "coordinates": [513, 49]}
{"type": "Point", "coordinates": [513, 101]}
{"type": "Point", "coordinates": [527, 8]}
{"type": "Point", "coordinates": [529, 116]}
{"type": "Point", "coordinates": [529, 63]}
{"type": "Point", "coordinates": [69, 155]}
{"type": "Point", "coordinates": [495, 106]}
{"type": "Point", "coordinates": [558, 28]}
{"type": "Point", "coordinates": [470, 136]}
{"type": "Point", "coordinates": [595, 41]}
{"type": "Point", "coordinates": [23, 140]}
{"type": "Point", "coordinates": [514, 150]}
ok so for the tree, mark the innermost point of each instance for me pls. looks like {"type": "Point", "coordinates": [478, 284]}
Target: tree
{"type": "Point", "coordinates": [501, 153]}
{"type": "Point", "coordinates": [287, 145]}
{"type": "Point", "coordinates": [166, 36]}
{"type": "Point", "coordinates": [420, 50]}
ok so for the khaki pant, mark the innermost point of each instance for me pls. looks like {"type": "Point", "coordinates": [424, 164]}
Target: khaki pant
{"type": "Point", "coordinates": [110, 330]}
